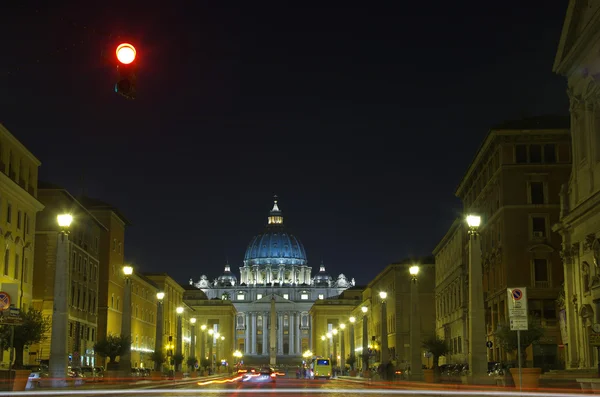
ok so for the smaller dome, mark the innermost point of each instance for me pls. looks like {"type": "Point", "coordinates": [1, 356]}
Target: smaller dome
{"type": "Point", "coordinates": [227, 279]}
{"type": "Point", "coordinates": [322, 278]}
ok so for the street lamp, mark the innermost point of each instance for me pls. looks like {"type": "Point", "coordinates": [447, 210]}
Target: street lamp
{"type": "Point", "coordinates": [211, 332]}
{"type": "Point", "coordinates": [203, 344]}
{"type": "Point", "coordinates": [334, 341]}
{"type": "Point", "coordinates": [329, 336]}
{"type": "Point", "coordinates": [193, 338]}
{"type": "Point", "coordinates": [342, 348]}
{"type": "Point", "coordinates": [365, 339]}
{"type": "Point", "coordinates": [59, 357]}
{"type": "Point", "coordinates": [323, 339]}
{"type": "Point", "coordinates": [477, 333]}
{"type": "Point", "coordinates": [217, 336]}
{"type": "Point", "coordinates": [125, 360]}
{"type": "Point", "coordinates": [179, 343]}
{"type": "Point", "coordinates": [416, 367]}
{"type": "Point", "coordinates": [158, 343]}
{"type": "Point", "coordinates": [384, 333]}
{"type": "Point", "coordinates": [352, 320]}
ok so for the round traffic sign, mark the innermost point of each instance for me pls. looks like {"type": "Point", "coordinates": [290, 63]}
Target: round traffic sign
{"type": "Point", "coordinates": [517, 294]}
{"type": "Point", "coordinates": [4, 301]}
{"type": "Point", "coordinates": [489, 344]}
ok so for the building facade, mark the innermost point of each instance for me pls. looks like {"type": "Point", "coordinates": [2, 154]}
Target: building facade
{"type": "Point", "coordinates": [276, 267]}
{"type": "Point", "coordinates": [514, 184]}
{"type": "Point", "coordinates": [451, 293]}
{"type": "Point", "coordinates": [579, 226]}
{"type": "Point", "coordinates": [18, 208]}
{"type": "Point", "coordinates": [143, 320]}
{"type": "Point", "coordinates": [84, 265]}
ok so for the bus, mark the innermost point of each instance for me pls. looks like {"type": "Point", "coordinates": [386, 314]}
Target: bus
{"type": "Point", "coordinates": [321, 367]}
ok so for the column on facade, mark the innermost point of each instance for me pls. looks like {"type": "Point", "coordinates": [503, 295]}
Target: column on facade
{"type": "Point", "coordinates": [307, 275]}
{"type": "Point", "coordinates": [247, 333]}
{"type": "Point", "coordinates": [253, 350]}
{"type": "Point", "coordinates": [280, 334]}
{"type": "Point", "coordinates": [291, 339]}
{"type": "Point", "coordinates": [265, 334]}
{"type": "Point", "coordinates": [299, 333]}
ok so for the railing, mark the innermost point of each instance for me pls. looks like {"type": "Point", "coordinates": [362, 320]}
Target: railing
{"type": "Point", "coordinates": [541, 284]}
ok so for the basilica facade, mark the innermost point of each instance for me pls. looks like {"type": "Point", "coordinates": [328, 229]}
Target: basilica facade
{"type": "Point", "coordinates": [275, 267]}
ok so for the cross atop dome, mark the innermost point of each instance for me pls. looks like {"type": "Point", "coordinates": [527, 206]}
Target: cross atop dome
{"type": "Point", "coordinates": [275, 217]}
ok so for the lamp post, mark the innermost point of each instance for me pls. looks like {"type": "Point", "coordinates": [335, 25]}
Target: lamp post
{"type": "Point", "coordinates": [329, 336]}
{"type": "Point", "coordinates": [342, 348]}
{"type": "Point", "coordinates": [125, 359]}
{"type": "Point", "coordinates": [158, 343]}
{"type": "Point", "coordinates": [193, 338]}
{"type": "Point", "coordinates": [351, 337]}
{"type": "Point", "coordinates": [217, 338]}
{"type": "Point", "coordinates": [384, 333]}
{"type": "Point", "coordinates": [334, 333]}
{"type": "Point", "coordinates": [365, 339]}
{"type": "Point", "coordinates": [223, 346]}
{"type": "Point", "coordinates": [203, 343]}
{"type": "Point", "coordinates": [59, 357]}
{"type": "Point", "coordinates": [416, 367]}
{"type": "Point", "coordinates": [325, 351]}
{"type": "Point", "coordinates": [211, 332]}
{"type": "Point", "coordinates": [179, 342]}
{"type": "Point", "coordinates": [477, 333]}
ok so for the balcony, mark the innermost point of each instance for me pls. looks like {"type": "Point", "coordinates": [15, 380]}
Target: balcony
{"type": "Point", "coordinates": [541, 284]}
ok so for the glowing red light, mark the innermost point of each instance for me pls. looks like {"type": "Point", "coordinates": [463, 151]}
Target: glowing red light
{"type": "Point", "coordinates": [125, 53]}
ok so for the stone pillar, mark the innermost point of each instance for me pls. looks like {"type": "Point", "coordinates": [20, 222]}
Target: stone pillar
{"type": "Point", "coordinates": [291, 339]}
{"type": "Point", "coordinates": [253, 350]}
{"type": "Point", "coordinates": [477, 330]}
{"type": "Point", "coordinates": [310, 342]}
{"type": "Point", "coordinates": [247, 334]}
{"type": "Point", "coordinates": [265, 332]}
{"type": "Point", "coordinates": [569, 254]}
{"type": "Point", "coordinates": [298, 327]}
{"type": "Point", "coordinates": [280, 334]}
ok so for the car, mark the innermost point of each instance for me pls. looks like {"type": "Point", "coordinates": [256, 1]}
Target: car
{"type": "Point", "coordinates": [265, 375]}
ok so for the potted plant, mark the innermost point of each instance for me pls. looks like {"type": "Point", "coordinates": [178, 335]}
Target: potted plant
{"type": "Point", "coordinates": [111, 347]}
{"type": "Point", "coordinates": [438, 348]}
{"type": "Point", "coordinates": [32, 329]}
{"type": "Point", "coordinates": [177, 360]}
{"type": "Point", "coordinates": [508, 340]}
{"type": "Point", "coordinates": [191, 363]}
{"type": "Point", "coordinates": [365, 359]}
{"type": "Point", "coordinates": [204, 364]}
{"type": "Point", "coordinates": [350, 361]}
{"type": "Point", "coordinates": [159, 358]}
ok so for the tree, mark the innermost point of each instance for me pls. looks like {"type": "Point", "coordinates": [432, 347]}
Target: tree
{"type": "Point", "coordinates": [204, 362]}
{"type": "Point", "coordinates": [508, 339]}
{"type": "Point", "coordinates": [178, 359]}
{"type": "Point", "coordinates": [112, 346]}
{"type": "Point", "coordinates": [365, 359]}
{"type": "Point", "coordinates": [438, 348]}
{"type": "Point", "coordinates": [158, 357]}
{"type": "Point", "coordinates": [191, 363]}
{"type": "Point", "coordinates": [351, 360]}
{"type": "Point", "coordinates": [32, 330]}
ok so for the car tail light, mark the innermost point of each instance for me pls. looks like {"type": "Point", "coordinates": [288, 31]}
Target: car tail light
{"type": "Point", "coordinates": [273, 375]}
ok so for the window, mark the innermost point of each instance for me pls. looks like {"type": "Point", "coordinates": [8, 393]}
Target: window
{"type": "Point", "coordinates": [25, 270]}
{"type": "Point", "coordinates": [258, 296]}
{"type": "Point", "coordinates": [6, 259]}
{"type": "Point", "coordinates": [521, 153]}
{"type": "Point", "coordinates": [240, 297]}
{"type": "Point", "coordinates": [9, 213]}
{"type": "Point", "coordinates": [304, 297]}
{"type": "Point", "coordinates": [539, 226]}
{"type": "Point", "coordinates": [535, 153]}
{"type": "Point", "coordinates": [286, 296]}
{"type": "Point", "coordinates": [540, 272]}
{"type": "Point", "coordinates": [16, 274]}
{"type": "Point", "coordinates": [550, 153]}
{"type": "Point", "coordinates": [18, 219]}
{"type": "Point", "coordinates": [26, 223]}
{"type": "Point", "coordinates": [321, 296]}
{"type": "Point", "coordinates": [114, 244]}
{"type": "Point", "coordinates": [112, 301]}
{"type": "Point", "coordinates": [536, 191]}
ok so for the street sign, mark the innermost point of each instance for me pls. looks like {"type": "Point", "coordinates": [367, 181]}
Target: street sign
{"type": "Point", "coordinates": [4, 300]}
{"type": "Point", "coordinates": [489, 344]}
{"type": "Point", "coordinates": [14, 312]}
{"type": "Point", "coordinates": [9, 320]}
{"type": "Point", "coordinates": [517, 308]}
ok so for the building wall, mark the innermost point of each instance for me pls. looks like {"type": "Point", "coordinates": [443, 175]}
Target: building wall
{"type": "Point", "coordinates": [83, 262]}
{"type": "Point", "coordinates": [579, 226]}
{"type": "Point", "coordinates": [517, 197]}
{"type": "Point", "coordinates": [451, 293]}
{"type": "Point", "coordinates": [143, 320]}
{"type": "Point", "coordinates": [327, 315]}
{"type": "Point", "coordinates": [18, 209]}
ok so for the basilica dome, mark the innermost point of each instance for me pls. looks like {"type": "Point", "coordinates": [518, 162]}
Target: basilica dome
{"type": "Point", "coordinates": [275, 245]}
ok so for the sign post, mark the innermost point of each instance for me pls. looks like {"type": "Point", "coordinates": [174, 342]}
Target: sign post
{"type": "Point", "coordinates": [517, 314]}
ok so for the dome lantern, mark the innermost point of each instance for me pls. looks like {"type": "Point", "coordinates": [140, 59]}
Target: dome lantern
{"type": "Point", "coordinates": [275, 217]}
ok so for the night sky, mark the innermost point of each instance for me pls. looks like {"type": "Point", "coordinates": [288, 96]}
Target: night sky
{"type": "Point", "coordinates": [362, 119]}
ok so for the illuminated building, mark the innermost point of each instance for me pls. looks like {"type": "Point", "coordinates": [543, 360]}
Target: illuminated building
{"type": "Point", "coordinates": [84, 265]}
{"type": "Point", "coordinates": [143, 319]}
{"type": "Point", "coordinates": [275, 266]}
{"type": "Point", "coordinates": [579, 301]}
{"type": "Point", "coordinates": [514, 183]}
{"type": "Point", "coordinates": [18, 208]}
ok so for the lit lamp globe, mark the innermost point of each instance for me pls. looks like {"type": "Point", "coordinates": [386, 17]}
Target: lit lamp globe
{"type": "Point", "coordinates": [64, 220]}
{"type": "Point", "coordinates": [179, 310]}
{"type": "Point", "coordinates": [329, 335]}
{"type": "Point", "coordinates": [125, 53]}
{"type": "Point", "coordinates": [127, 270]}
{"type": "Point", "coordinates": [473, 221]}
{"type": "Point", "coordinates": [193, 320]}
{"type": "Point", "coordinates": [217, 335]}
{"type": "Point", "coordinates": [203, 327]}
{"type": "Point", "coordinates": [222, 338]}
{"type": "Point", "coordinates": [352, 319]}
{"type": "Point", "coordinates": [211, 332]}
{"type": "Point", "coordinates": [364, 309]}
{"type": "Point", "coordinates": [323, 337]}
{"type": "Point", "coordinates": [413, 270]}
{"type": "Point", "coordinates": [383, 294]}
{"type": "Point", "coordinates": [160, 296]}
{"type": "Point", "coordinates": [342, 326]}
{"type": "Point", "coordinates": [334, 331]}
